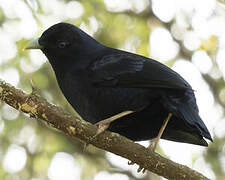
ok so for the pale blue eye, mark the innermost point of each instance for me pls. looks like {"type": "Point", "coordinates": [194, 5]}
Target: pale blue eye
{"type": "Point", "coordinates": [62, 44]}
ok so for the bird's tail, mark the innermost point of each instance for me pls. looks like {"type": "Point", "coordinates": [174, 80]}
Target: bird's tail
{"type": "Point", "coordinates": [192, 118]}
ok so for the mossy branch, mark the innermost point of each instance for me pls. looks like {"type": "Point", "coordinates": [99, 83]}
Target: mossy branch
{"type": "Point", "coordinates": [55, 116]}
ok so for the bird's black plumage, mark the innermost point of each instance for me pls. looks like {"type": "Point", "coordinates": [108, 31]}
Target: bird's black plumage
{"type": "Point", "coordinates": [100, 82]}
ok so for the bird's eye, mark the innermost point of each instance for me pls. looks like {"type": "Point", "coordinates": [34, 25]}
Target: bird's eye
{"type": "Point", "coordinates": [62, 44]}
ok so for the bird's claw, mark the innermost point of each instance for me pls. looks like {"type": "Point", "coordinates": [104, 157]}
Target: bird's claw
{"type": "Point", "coordinates": [152, 146]}
{"type": "Point", "coordinates": [102, 126]}
{"type": "Point", "coordinates": [130, 163]}
{"type": "Point", "coordinates": [140, 169]}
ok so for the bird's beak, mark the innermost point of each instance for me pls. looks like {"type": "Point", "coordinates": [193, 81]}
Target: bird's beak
{"type": "Point", "coordinates": [33, 44]}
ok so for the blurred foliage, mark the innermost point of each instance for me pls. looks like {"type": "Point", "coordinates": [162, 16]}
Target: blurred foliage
{"type": "Point", "coordinates": [115, 29]}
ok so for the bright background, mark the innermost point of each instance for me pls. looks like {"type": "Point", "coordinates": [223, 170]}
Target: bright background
{"type": "Point", "coordinates": [187, 35]}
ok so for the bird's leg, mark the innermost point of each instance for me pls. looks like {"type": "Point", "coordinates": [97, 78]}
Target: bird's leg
{"type": "Point", "coordinates": [104, 124]}
{"type": "Point", "coordinates": [155, 141]}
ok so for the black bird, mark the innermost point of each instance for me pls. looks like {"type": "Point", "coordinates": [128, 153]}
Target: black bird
{"type": "Point", "coordinates": [142, 94]}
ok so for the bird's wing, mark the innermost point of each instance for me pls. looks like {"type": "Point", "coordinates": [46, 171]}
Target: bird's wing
{"type": "Point", "coordinates": [134, 71]}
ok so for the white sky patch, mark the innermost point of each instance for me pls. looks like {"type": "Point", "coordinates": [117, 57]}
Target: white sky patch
{"type": "Point", "coordinates": [73, 9]}
{"type": "Point", "coordinates": [221, 41]}
{"type": "Point", "coordinates": [93, 26]}
{"type": "Point", "coordinates": [9, 113]}
{"type": "Point", "coordinates": [204, 28]}
{"type": "Point", "coordinates": [191, 41]}
{"type": "Point", "coordinates": [61, 10]}
{"type": "Point", "coordinates": [7, 46]}
{"type": "Point", "coordinates": [117, 5]}
{"type": "Point", "coordinates": [105, 175]}
{"type": "Point", "coordinates": [53, 7]}
{"type": "Point", "coordinates": [162, 45]}
{"type": "Point", "coordinates": [37, 58]}
{"type": "Point", "coordinates": [139, 6]}
{"type": "Point", "coordinates": [219, 128]}
{"type": "Point", "coordinates": [84, 27]}
{"type": "Point", "coordinates": [130, 44]}
{"type": "Point", "coordinates": [212, 117]}
{"type": "Point", "coordinates": [48, 20]}
{"type": "Point", "coordinates": [204, 8]}
{"type": "Point", "coordinates": [26, 65]}
{"type": "Point", "coordinates": [55, 11]}
{"type": "Point", "coordinates": [33, 143]}
{"type": "Point", "coordinates": [201, 27]}
{"type": "Point", "coordinates": [25, 133]}
{"type": "Point", "coordinates": [33, 4]}
{"type": "Point", "coordinates": [178, 31]}
{"type": "Point", "coordinates": [28, 31]}
{"type": "Point", "coordinates": [215, 74]}
{"type": "Point", "coordinates": [202, 61]}
{"type": "Point", "coordinates": [171, 150]}
{"type": "Point", "coordinates": [28, 137]}
{"type": "Point", "coordinates": [164, 9]}
{"type": "Point", "coordinates": [144, 143]}
{"type": "Point", "coordinates": [9, 8]}
{"type": "Point", "coordinates": [191, 74]}
{"type": "Point", "coordinates": [201, 166]}
{"type": "Point", "coordinates": [15, 159]}
{"type": "Point", "coordinates": [220, 60]}
{"type": "Point", "coordinates": [10, 75]}
{"type": "Point", "coordinates": [27, 26]}
{"type": "Point", "coordinates": [12, 28]}
{"type": "Point", "coordinates": [135, 5]}
{"type": "Point", "coordinates": [63, 166]}
{"type": "Point", "coordinates": [186, 6]}
{"type": "Point", "coordinates": [175, 151]}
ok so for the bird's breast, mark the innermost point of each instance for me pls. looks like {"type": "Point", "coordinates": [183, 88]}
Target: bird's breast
{"type": "Point", "coordinates": [97, 103]}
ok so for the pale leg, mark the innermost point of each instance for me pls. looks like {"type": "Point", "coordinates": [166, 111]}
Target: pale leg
{"type": "Point", "coordinates": [104, 124]}
{"type": "Point", "coordinates": [155, 141]}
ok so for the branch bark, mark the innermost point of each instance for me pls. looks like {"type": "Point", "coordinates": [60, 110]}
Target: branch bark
{"type": "Point", "coordinates": [39, 108]}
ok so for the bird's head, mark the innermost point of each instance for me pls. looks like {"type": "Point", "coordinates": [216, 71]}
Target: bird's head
{"type": "Point", "coordinates": [63, 44]}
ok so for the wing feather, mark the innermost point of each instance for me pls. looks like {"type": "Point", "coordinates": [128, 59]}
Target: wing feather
{"type": "Point", "coordinates": [134, 71]}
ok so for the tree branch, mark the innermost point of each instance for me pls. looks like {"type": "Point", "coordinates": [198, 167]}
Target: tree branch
{"type": "Point", "coordinates": [39, 108]}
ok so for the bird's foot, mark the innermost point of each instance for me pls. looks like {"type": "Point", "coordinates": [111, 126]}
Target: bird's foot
{"type": "Point", "coordinates": [140, 168]}
{"type": "Point", "coordinates": [102, 126]}
{"type": "Point", "coordinates": [153, 144]}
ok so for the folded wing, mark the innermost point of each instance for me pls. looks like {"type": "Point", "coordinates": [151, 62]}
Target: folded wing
{"type": "Point", "coordinates": [133, 71]}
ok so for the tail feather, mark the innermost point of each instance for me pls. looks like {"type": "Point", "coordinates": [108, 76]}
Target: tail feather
{"type": "Point", "coordinates": [191, 116]}
{"type": "Point", "coordinates": [185, 137]}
